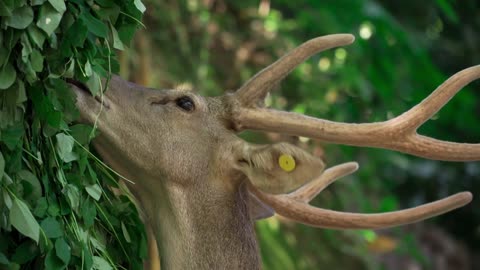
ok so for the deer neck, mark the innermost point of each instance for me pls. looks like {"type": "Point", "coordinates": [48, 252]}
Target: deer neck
{"type": "Point", "coordinates": [198, 229]}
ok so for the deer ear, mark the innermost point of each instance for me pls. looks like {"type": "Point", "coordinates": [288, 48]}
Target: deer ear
{"type": "Point", "coordinates": [278, 168]}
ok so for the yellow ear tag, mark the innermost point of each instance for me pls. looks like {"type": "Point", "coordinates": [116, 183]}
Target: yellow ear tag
{"type": "Point", "coordinates": [286, 162]}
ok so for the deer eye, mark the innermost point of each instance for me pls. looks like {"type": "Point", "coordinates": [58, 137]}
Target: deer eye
{"type": "Point", "coordinates": [186, 103]}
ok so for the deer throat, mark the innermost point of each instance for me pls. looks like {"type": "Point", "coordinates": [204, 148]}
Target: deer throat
{"type": "Point", "coordinates": [196, 226]}
{"type": "Point", "coordinates": [198, 229]}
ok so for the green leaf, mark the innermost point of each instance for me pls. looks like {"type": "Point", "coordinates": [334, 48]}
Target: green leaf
{"type": "Point", "coordinates": [36, 35]}
{"type": "Point", "coordinates": [88, 212]}
{"type": "Point", "coordinates": [36, 58]}
{"type": "Point", "coordinates": [65, 146]}
{"type": "Point", "coordinates": [62, 250]}
{"type": "Point", "coordinates": [2, 166]}
{"type": "Point", "coordinates": [7, 199]}
{"type": "Point", "coordinates": [8, 75]}
{"type": "Point", "coordinates": [88, 69]}
{"type": "Point", "coordinates": [29, 177]}
{"type": "Point", "coordinates": [21, 17]}
{"type": "Point", "coordinates": [82, 133]}
{"type": "Point", "coordinates": [139, 5]}
{"type": "Point", "coordinates": [5, 9]}
{"type": "Point", "coordinates": [94, 84]}
{"type": "Point", "coordinates": [73, 195]}
{"type": "Point", "coordinates": [3, 55]}
{"type": "Point", "coordinates": [41, 208]}
{"type": "Point", "coordinates": [74, 37]}
{"type": "Point", "coordinates": [447, 8]}
{"type": "Point", "coordinates": [126, 32]}
{"type": "Point", "coordinates": [117, 42]}
{"type": "Point", "coordinates": [59, 5]}
{"type": "Point", "coordinates": [25, 252]}
{"type": "Point", "coordinates": [53, 209]}
{"type": "Point", "coordinates": [22, 95]}
{"type": "Point", "coordinates": [12, 136]}
{"type": "Point", "coordinates": [52, 227]}
{"type": "Point", "coordinates": [52, 262]}
{"type": "Point", "coordinates": [125, 233]}
{"type": "Point", "coordinates": [49, 19]}
{"type": "Point", "coordinates": [23, 220]}
{"type": "Point", "coordinates": [94, 25]}
{"type": "Point", "coordinates": [94, 191]}
{"type": "Point", "coordinates": [100, 263]}
{"type": "Point", "coordinates": [3, 259]}
{"type": "Point", "coordinates": [19, 3]}
{"type": "Point", "coordinates": [88, 258]}
{"type": "Point", "coordinates": [38, 2]}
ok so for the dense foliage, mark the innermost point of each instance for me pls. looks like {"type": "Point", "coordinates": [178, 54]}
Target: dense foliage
{"type": "Point", "coordinates": [58, 208]}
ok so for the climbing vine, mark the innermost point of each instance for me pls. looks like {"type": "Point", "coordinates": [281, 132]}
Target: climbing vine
{"type": "Point", "coordinates": [58, 208]}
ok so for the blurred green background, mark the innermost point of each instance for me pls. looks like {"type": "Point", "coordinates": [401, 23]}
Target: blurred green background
{"type": "Point", "coordinates": [403, 51]}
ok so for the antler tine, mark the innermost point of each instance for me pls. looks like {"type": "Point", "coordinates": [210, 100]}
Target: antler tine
{"type": "Point", "coordinates": [398, 134]}
{"type": "Point", "coordinates": [308, 191]}
{"type": "Point", "coordinates": [318, 217]}
{"type": "Point", "coordinates": [258, 86]}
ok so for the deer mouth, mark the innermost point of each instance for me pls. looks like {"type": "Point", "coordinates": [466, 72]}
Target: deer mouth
{"type": "Point", "coordinates": [82, 89]}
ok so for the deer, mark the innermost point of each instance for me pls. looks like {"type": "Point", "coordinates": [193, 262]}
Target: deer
{"type": "Point", "coordinates": [201, 187]}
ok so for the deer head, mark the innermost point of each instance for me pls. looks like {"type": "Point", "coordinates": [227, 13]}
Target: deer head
{"type": "Point", "coordinates": [201, 186]}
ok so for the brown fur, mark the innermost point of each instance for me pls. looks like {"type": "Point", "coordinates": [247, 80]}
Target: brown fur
{"type": "Point", "coordinates": [189, 169]}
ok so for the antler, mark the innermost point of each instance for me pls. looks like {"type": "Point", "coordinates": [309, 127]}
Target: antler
{"type": "Point", "coordinates": [295, 206]}
{"type": "Point", "coordinates": [398, 134]}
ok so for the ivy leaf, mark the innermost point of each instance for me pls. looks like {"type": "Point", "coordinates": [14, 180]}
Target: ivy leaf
{"type": "Point", "coordinates": [126, 32]}
{"type": "Point", "coordinates": [29, 177]}
{"type": "Point", "coordinates": [25, 252]}
{"type": "Point", "coordinates": [41, 208]}
{"type": "Point", "coordinates": [94, 25]}
{"type": "Point", "coordinates": [125, 233]}
{"type": "Point", "coordinates": [49, 19]}
{"type": "Point", "coordinates": [8, 75]}
{"type": "Point", "coordinates": [94, 84]}
{"type": "Point", "coordinates": [52, 227]}
{"type": "Point", "coordinates": [94, 191]}
{"type": "Point", "coordinates": [7, 199]}
{"type": "Point", "coordinates": [5, 9]}
{"type": "Point", "coordinates": [21, 17]}
{"type": "Point", "coordinates": [2, 166]}
{"type": "Point", "coordinates": [3, 55]}
{"type": "Point", "coordinates": [23, 220]}
{"type": "Point", "coordinates": [100, 263]}
{"type": "Point", "coordinates": [3, 259]}
{"type": "Point", "coordinates": [88, 213]}
{"type": "Point", "coordinates": [59, 5]}
{"type": "Point", "coordinates": [73, 195]}
{"type": "Point", "coordinates": [88, 69]}
{"type": "Point", "coordinates": [65, 146]}
{"type": "Point", "coordinates": [139, 5]}
{"type": "Point", "coordinates": [36, 59]}
{"type": "Point", "coordinates": [52, 262]}
{"type": "Point", "coordinates": [38, 2]}
{"type": "Point", "coordinates": [117, 42]}
{"type": "Point", "coordinates": [12, 136]}
{"type": "Point", "coordinates": [82, 133]}
{"type": "Point", "coordinates": [62, 250]}
{"type": "Point", "coordinates": [36, 35]}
